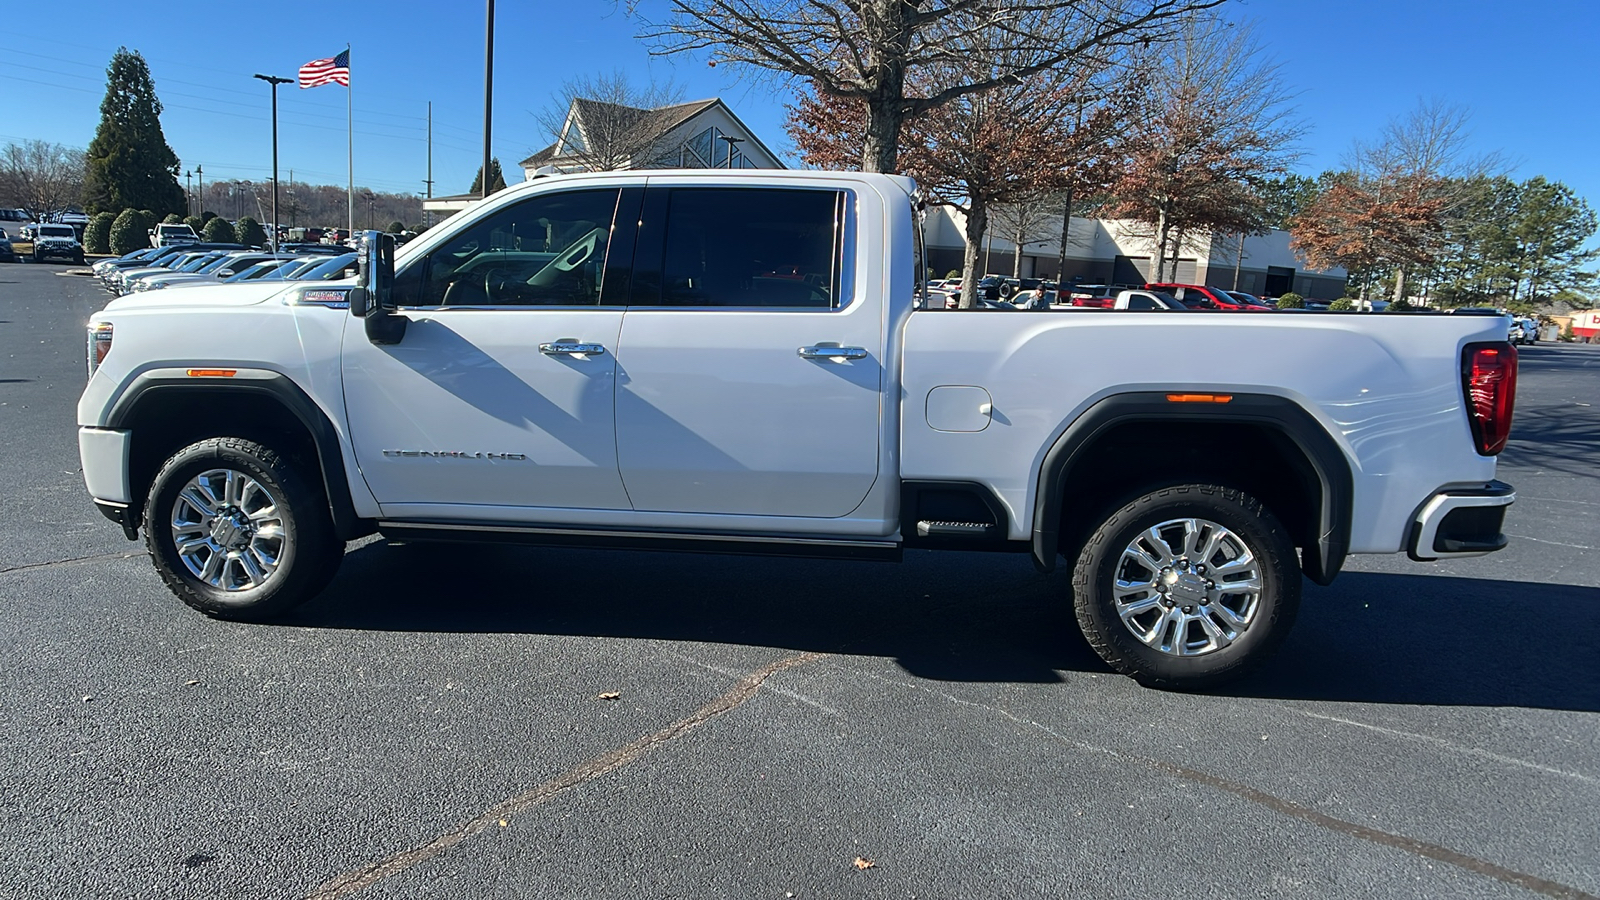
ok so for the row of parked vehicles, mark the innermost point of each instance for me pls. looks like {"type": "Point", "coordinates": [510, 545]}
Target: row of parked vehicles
{"type": "Point", "coordinates": [1000, 292]}
{"type": "Point", "coordinates": [193, 265]}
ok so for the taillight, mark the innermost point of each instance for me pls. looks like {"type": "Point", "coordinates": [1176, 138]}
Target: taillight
{"type": "Point", "coordinates": [1489, 385]}
{"type": "Point", "coordinates": [99, 344]}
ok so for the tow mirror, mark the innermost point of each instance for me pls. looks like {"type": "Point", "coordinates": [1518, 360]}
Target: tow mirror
{"type": "Point", "coordinates": [373, 296]}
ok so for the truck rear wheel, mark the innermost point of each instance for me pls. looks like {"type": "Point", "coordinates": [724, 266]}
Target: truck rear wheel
{"type": "Point", "coordinates": [1187, 586]}
{"type": "Point", "coordinates": [237, 531]}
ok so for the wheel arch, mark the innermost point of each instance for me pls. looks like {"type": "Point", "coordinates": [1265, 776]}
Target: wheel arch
{"type": "Point", "coordinates": [1303, 475]}
{"type": "Point", "coordinates": [159, 410]}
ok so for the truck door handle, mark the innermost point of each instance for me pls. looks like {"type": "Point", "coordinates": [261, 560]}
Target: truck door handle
{"type": "Point", "coordinates": [571, 348]}
{"type": "Point", "coordinates": [825, 352]}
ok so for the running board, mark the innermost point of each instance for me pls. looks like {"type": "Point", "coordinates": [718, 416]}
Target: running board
{"type": "Point", "coordinates": [608, 539]}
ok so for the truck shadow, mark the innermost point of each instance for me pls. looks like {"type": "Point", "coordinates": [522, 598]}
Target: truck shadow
{"type": "Point", "coordinates": [1370, 638]}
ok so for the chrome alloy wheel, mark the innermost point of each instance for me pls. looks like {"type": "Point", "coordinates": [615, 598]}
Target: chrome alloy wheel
{"type": "Point", "coordinates": [227, 530]}
{"type": "Point", "coordinates": [1187, 587]}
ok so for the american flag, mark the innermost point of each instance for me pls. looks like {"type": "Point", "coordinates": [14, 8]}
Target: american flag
{"type": "Point", "coordinates": [334, 69]}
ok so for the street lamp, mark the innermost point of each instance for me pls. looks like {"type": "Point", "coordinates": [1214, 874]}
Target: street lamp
{"type": "Point", "coordinates": [188, 193]}
{"type": "Point", "coordinates": [731, 141]}
{"type": "Point", "coordinates": [274, 81]}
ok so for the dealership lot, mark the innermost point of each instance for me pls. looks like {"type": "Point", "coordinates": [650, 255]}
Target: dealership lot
{"type": "Point", "coordinates": [434, 724]}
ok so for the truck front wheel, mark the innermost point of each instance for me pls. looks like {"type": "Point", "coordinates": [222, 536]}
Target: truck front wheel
{"type": "Point", "coordinates": [1187, 586]}
{"type": "Point", "coordinates": [237, 532]}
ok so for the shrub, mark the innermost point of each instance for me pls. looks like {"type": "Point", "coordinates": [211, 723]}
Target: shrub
{"type": "Point", "coordinates": [1567, 335]}
{"type": "Point", "coordinates": [97, 235]}
{"type": "Point", "coordinates": [207, 216]}
{"type": "Point", "coordinates": [953, 273]}
{"type": "Point", "coordinates": [1401, 305]}
{"type": "Point", "coordinates": [1291, 300]}
{"type": "Point", "coordinates": [1342, 304]}
{"type": "Point", "coordinates": [251, 233]}
{"type": "Point", "coordinates": [396, 227]}
{"type": "Point", "coordinates": [218, 231]}
{"type": "Point", "coordinates": [196, 223]}
{"type": "Point", "coordinates": [131, 230]}
{"type": "Point", "coordinates": [172, 219]}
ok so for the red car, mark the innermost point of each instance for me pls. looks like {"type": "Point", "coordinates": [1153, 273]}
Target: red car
{"type": "Point", "coordinates": [1197, 296]}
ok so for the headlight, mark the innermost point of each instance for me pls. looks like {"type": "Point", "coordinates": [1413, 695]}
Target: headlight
{"type": "Point", "coordinates": [99, 344]}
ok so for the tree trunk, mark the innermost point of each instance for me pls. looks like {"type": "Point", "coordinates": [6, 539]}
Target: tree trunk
{"type": "Point", "coordinates": [1399, 284]}
{"type": "Point", "coordinates": [1016, 255]}
{"type": "Point", "coordinates": [886, 104]}
{"type": "Point", "coordinates": [1238, 261]}
{"type": "Point", "coordinates": [1066, 229]}
{"type": "Point", "coordinates": [1178, 236]}
{"type": "Point", "coordinates": [977, 226]}
{"type": "Point", "coordinates": [1163, 231]}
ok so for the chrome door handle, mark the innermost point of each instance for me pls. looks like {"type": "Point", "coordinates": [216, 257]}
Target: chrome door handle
{"type": "Point", "coordinates": [822, 352]}
{"type": "Point", "coordinates": [571, 348]}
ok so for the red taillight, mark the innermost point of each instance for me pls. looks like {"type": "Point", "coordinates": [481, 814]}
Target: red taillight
{"type": "Point", "coordinates": [1489, 385]}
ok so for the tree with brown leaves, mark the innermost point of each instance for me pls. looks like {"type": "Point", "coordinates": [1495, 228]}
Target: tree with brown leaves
{"type": "Point", "coordinates": [1214, 123]}
{"type": "Point", "coordinates": [898, 59]}
{"type": "Point", "coordinates": [1004, 145]}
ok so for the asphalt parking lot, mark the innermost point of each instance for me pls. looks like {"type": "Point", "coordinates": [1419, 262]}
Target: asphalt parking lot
{"type": "Point", "coordinates": [433, 725]}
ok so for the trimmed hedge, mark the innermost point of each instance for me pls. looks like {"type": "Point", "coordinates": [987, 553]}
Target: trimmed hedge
{"type": "Point", "coordinates": [1291, 300]}
{"type": "Point", "coordinates": [131, 230]}
{"type": "Point", "coordinates": [251, 233]}
{"type": "Point", "coordinates": [220, 231]}
{"type": "Point", "coordinates": [97, 234]}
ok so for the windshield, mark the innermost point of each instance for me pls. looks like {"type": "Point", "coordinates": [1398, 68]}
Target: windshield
{"type": "Point", "coordinates": [329, 270]}
{"type": "Point", "coordinates": [219, 263]}
{"type": "Point", "coordinates": [57, 231]}
{"type": "Point", "coordinates": [195, 264]}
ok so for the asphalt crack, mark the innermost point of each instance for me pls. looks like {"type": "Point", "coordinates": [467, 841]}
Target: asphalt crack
{"type": "Point", "coordinates": [28, 567]}
{"type": "Point", "coordinates": [359, 879]}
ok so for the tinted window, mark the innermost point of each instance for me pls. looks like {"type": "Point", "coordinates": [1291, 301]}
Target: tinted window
{"type": "Point", "coordinates": [548, 250]}
{"type": "Point", "coordinates": [752, 247]}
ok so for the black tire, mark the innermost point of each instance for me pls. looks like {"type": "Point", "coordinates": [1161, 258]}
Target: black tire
{"type": "Point", "coordinates": [1271, 608]}
{"type": "Point", "coordinates": [303, 542]}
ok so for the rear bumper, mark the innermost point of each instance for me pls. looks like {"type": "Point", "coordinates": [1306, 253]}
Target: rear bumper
{"type": "Point", "coordinates": [1459, 522]}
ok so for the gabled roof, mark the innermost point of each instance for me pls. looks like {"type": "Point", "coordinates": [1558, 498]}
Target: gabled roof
{"type": "Point", "coordinates": [658, 122]}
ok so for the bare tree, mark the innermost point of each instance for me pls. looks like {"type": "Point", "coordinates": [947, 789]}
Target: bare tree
{"type": "Point", "coordinates": [1421, 159]}
{"type": "Point", "coordinates": [45, 177]}
{"type": "Point", "coordinates": [1215, 124]}
{"type": "Point", "coordinates": [604, 122]}
{"type": "Point", "coordinates": [1027, 220]}
{"type": "Point", "coordinates": [872, 52]}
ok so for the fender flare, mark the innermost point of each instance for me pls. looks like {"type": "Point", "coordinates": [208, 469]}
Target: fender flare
{"type": "Point", "coordinates": [1320, 562]}
{"type": "Point", "coordinates": [281, 389]}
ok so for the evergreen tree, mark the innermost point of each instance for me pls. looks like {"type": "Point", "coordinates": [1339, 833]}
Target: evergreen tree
{"type": "Point", "coordinates": [172, 219]}
{"type": "Point", "coordinates": [395, 227]}
{"type": "Point", "coordinates": [195, 222]}
{"type": "Point", "coordinates": [130, 164]}
{"type": "Point", "coordinates": [497, 180]}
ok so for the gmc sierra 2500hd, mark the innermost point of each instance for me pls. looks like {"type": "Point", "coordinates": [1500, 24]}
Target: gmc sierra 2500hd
{"type": "Point", "coordinates": [730, 362]}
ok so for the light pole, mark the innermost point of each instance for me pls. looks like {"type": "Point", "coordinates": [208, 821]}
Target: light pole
{"type": "Point", "coordinates": [731, 141]}
{"type": "Point", "coordinates": [274, 81]}
{"type": "Point", "coordinates": [488, 93]}
{"type": "Point", "coordinates": [188, 193]}
{"type": "Point", "coordinates": [200, 187]}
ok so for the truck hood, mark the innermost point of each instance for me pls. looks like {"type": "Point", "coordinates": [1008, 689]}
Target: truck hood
{"type": "Point", "coordinates": [242, 294]}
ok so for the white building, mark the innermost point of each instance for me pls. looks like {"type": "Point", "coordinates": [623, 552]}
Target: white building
{"type": "Point", "coordinates": [704, 134]}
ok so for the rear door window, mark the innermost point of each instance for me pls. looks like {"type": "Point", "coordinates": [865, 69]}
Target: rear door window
{"type": "Point", "coordinates": [770, 248]}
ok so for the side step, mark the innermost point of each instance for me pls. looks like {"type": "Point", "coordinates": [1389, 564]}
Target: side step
{"type": "Point", "coordinates": [954, 529]}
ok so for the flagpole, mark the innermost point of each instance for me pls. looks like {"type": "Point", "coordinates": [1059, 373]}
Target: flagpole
{"type": "Point", "coordinates": [350, 147]}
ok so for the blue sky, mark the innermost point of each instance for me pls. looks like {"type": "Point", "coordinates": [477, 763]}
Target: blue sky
{"type": "Point", "coordinates": [1526, 72]}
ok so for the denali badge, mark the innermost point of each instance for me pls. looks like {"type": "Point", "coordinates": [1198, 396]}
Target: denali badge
{"type": "Point", "coordinates": [452, 454]}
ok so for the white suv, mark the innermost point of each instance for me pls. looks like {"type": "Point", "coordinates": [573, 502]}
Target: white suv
{"type": "Point", "coordinates": [56, 240]}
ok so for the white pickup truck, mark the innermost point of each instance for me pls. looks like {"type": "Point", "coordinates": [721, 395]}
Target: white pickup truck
{"type": "Point", "coordinates": [730, 362]}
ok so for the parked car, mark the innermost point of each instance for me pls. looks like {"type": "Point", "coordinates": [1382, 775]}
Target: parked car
{"type": "Point", "coordinates": [1148, 300]}
{"type": "Point", "coordinates": [168, 233]}
{"type": "Point", "coordinates": [1198, 296]}
{"type": "Point", "coordinates": [56, 241]}
{"type": "Point", "coordinates": [17, 222]}
{"type": "Point", "coordinates": [1524, 330]}
{"type": "Point", "coordinates": [7, 252]}
{"type": "Point", "coordinates": [1250, 299]}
